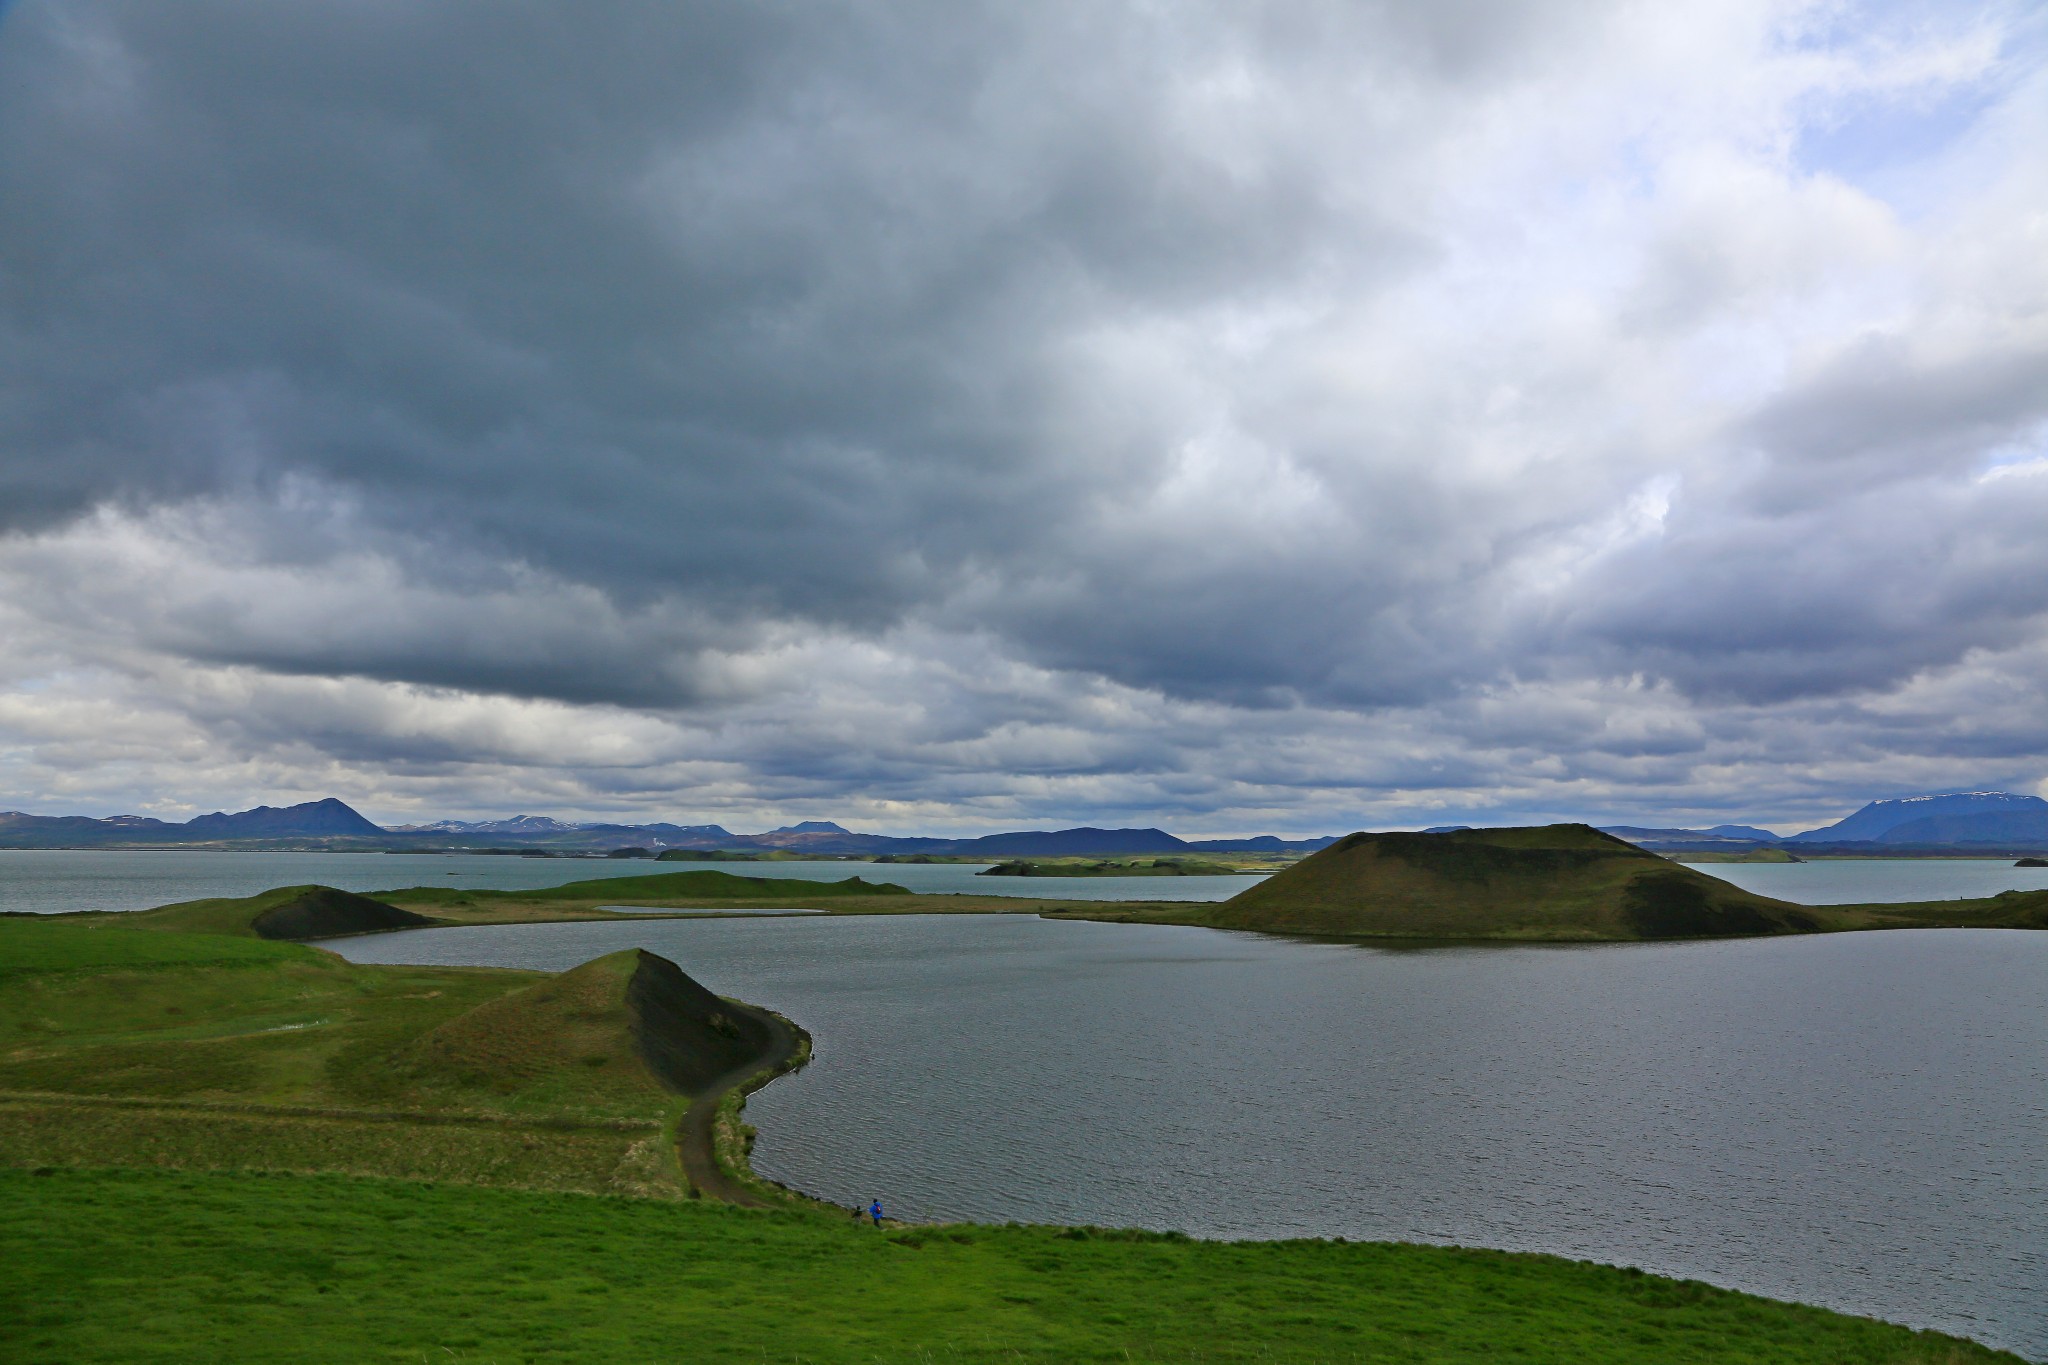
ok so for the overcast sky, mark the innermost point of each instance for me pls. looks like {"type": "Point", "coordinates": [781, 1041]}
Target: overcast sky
{"type": "Point", "coordinates": [1250, 417]}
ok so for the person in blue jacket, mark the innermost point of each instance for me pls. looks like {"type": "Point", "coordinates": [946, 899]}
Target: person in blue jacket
{"type": "Point", "coordinates": [875, 1212]}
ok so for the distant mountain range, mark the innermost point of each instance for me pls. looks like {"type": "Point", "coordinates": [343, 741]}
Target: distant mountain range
{"type": "Point", "coordinates": [329, 819]}
{"type": "Point", "coordinates": [1954, 818]}
{"type": "Point", "coordinates": [333, 824]}
{"type": "Point", "coordinates": [1740, 834]}
{"type": "Point", "coordinates": [1984, 821]}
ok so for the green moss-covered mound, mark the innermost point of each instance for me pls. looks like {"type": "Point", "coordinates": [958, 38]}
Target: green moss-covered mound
{"type": "Point", "coordinates": [1549, 882]}
{"type": "Point", "coordinates": [612, 1033]}
{"type": "Point", "coordinates": [323, 912]}
{"type": "Point", "coordinates": [288, 913]}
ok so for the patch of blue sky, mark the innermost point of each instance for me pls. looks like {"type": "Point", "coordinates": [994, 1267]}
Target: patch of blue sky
{"type": "Point", "coordinates": [1892, 141]}
{"type": "Point", "coordinates": [2027, 454]}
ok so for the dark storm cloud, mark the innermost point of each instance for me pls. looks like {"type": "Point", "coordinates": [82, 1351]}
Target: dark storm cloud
{"type": "Point", "coordinates": [926, 401]}
{"type": "Point", "coordinates": [667, 298]}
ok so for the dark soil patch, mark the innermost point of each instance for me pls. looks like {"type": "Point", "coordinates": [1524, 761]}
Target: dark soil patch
{"type": "Point", "coordinates": [687, 1036]}
{"type": "Point", "coordinates": [324, 912]}
{"type": "Point", "coordinates": [1673, 905]}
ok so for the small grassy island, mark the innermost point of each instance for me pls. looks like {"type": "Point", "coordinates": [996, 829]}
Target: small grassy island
{"type": "Point", "coordinates": [1550, 883]}
{"type": "Point", "coordinates": [1114, 867]}
{"type": "Point", "coordinates": [217, 1142]}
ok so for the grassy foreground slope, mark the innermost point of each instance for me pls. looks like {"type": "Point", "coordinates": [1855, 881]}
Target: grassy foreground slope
{"type": "Point", "coordinates": [120, 1046]}
{"type": "Point", "coordinates": [325, 1268]}
{"type": "Point", "coordinates": [1555, 883]}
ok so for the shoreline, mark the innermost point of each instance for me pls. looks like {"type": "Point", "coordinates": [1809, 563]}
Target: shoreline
{"type": "Point", "coordinates": [711, 1145]}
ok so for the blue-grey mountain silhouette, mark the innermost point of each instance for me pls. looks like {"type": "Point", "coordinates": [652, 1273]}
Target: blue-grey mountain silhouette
{"type": "Point", "coordinates": [1947, 818]}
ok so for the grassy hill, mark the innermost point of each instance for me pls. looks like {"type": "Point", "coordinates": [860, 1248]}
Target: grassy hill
{"type": "Point", "coordinates": [290, 913]}
{"type": "Point", "coordinates": [1550, 882]}
{"type": "Point", "coordinates": [226, 1051]}
{"type": "Point", "coordinates": [622, 1033]}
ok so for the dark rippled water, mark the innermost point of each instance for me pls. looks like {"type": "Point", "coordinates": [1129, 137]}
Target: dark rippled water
{"type": "Point", "coordinates": [1852, 1120]}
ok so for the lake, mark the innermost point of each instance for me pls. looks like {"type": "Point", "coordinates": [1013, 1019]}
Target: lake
{"type": "Point", "coordinates": [1853, 881]}
{"type": "Point", "coordinates": [46, 881]}
{"type": "Point", "coordinates": [49, 880]}
{"type": "Point", "coordinates": [1851, 1120]}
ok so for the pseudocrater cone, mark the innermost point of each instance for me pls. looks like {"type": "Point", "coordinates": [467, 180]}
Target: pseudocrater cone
{"type": "Point", "coordinates": [323, 912]}
{"type": "Point", "coordinates": [621, 1033]}
{"type": "Point", "coordinates": [1545, 882]}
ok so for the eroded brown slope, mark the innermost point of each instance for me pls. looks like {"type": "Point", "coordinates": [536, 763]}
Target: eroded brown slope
{"type": "Point", "coordinates": [617, 1034]}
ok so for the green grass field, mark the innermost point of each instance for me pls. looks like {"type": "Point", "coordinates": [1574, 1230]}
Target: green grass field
{"type": "Point", "coordinates": [35, 945]}
{"type": "Point", "coordinates": [141, 1266]}
{"type": "Point", "coordinates": [209, 1051]}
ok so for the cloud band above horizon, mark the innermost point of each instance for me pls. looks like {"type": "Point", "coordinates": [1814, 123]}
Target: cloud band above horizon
{"type": "Point", "coordinates": [1287, 418]}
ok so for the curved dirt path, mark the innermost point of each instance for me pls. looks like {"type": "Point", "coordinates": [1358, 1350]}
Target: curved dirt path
{"type": "Point", "coordinates": [693, 1134]}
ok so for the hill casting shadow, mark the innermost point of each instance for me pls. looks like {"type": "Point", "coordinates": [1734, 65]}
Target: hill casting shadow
{"type": "Point", "coordinates": [1549, 882]}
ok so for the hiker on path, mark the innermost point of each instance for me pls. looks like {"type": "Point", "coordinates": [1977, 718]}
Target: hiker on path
{"type": "Point", "coordinates": [875, 1212]}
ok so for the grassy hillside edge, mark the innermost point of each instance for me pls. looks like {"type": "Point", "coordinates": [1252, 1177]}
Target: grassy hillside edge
{"type": "Point", "coordinates": [215, 1050]}
{"type": "Point", "coordinates": [325, 1268]}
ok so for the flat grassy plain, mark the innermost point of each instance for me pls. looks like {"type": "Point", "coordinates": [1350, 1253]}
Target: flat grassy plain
{"type": "Point", "coordinates": [170, 1266]}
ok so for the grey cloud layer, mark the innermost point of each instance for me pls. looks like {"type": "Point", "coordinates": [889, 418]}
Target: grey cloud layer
{"type": "Point", "coordinates": [981, 409]}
